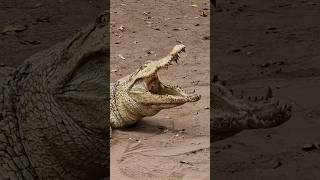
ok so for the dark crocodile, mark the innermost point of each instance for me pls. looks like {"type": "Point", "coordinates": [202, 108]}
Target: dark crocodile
{"type": "Point", "coordinates": [53, 111]}
{"type": "Point", "coordinates": [231, 115]}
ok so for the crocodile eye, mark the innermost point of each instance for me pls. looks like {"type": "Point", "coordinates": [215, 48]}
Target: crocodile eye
{"type": "Point", "coordinates": [147, 63]}
{"type": "Point", "coordinates": [143, 66]}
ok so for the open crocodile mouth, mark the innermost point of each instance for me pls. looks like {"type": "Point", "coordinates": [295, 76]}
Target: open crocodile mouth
{"type": "Point", "coordinates": [149, 89]}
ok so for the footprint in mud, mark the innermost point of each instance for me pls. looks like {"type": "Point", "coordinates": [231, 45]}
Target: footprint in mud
{"type": "Point", "coordinates": [139, 160]}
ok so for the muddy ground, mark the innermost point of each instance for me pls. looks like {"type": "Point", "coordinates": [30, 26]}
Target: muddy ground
{"type": "Point", "coordinates": [261, 44]}
{"type": "Point", "coordinates": [175, 143]}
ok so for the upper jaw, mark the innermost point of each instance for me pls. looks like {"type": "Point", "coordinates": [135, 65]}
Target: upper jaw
{"type": "Point", "coordinates": [150, 68]}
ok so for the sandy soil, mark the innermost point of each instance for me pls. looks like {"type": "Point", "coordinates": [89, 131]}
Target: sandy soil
{"type": "Point", "coordinates": [261, 44]}
{"type": "Point", "coordinates": [175, 143]}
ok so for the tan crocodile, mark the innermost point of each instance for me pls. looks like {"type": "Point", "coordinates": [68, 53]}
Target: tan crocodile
{"type": "Point", "coordinates": [142, 94]}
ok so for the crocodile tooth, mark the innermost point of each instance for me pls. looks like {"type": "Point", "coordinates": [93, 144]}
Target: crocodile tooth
{"type": "Point", "coordinates": [269, 94]}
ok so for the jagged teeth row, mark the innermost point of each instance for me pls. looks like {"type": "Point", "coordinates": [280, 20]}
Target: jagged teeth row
{"type": "Point", "coordinates": [260, 98]}
{"type": "Point", "coordinates": [178, 55]}
{"type": "Point", "coordinates": [255, 98]}
{"type": "Point", "coordinates": [269, 95]}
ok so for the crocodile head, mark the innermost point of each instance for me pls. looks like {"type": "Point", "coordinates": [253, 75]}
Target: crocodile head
{"type": "Point", "coordinates": [145, 93]}
{"type": "Point", "coordinates": [231, 115]}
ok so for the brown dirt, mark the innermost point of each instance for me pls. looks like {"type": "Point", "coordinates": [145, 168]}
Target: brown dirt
{"type": "Point", "coordinates": [175, 143]}
{"type": "Point", "coordinates": [261, 44]}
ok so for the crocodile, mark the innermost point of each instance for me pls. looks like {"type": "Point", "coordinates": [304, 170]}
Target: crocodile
{"type": "Point", "coordinates": [142, 93]}
{"type": "Point", "coordinates": [54, 110]}
{"type": "Point", "coordinates": [231, 115]}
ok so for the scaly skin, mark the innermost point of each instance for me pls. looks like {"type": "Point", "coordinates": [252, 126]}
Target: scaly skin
{"type": "Point", "coordinates": [53, 115]}
{"type": "Point", "coordinates": [231, 115]}
{"type": "Point", "coordinates": [142, 94]}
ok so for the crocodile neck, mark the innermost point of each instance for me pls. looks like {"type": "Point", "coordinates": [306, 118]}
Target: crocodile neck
{"type": "Point", "coordinates": [122, 114]}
